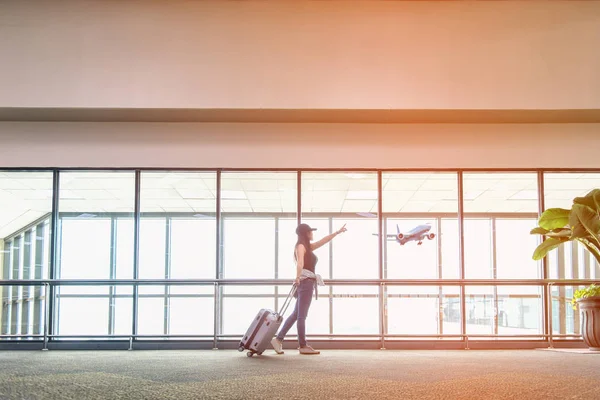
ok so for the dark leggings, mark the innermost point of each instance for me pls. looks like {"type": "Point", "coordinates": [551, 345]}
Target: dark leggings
{"type": "Point", "coordinates": [305, 292]}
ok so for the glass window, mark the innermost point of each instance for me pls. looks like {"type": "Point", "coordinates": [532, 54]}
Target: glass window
{"type": "Point", "coordinates": [560, 188]}
{"type": "Point", "coordinates": [26, 199]}
{"type": "Point", "coordinates": [350, 199]}
{"type": "Point", "coordinates": [123, 315]}
{"type": "Point", "coordinates": [193, 251]}
{"type": "Point", "coordinates": [83, 315]}
{"type": "Point", "coordinates": [318, 320]}
{"type": "Point", "coordinates": [478, 248]}
{"type": "Point", "coordinates": [85, 248]}
{"type": "Point", "coordinates": [570, 260]}
{"type": "Point", "coordinates": [419, 209]}
{"type": "Point", "coordinates": [519, 310]}
{"type": "Point", "coordinates": [249, 248]}
{"type": "Point", "coordinates": [151, 314]}
{"type": "Point", "coordinates": [450, 248]}
{"type": "Point", "coordinates": [355, 315]}
{"type": "Point", "coordinates": [191, 316]}
{"type": "Point", "coordinates": [411, 261]}
{"type": "Point", "coordinates": [153, 249]}
{"type": "Point", "coordinates": [514, 247]}
{"type": "Point", "coordinates": [499, 208]}
{"type": "Point", "coordinates": [178, 228]}
{"type": "Point", "coordinates": [565, 320]}
{"type": "Point", "coordinates": [480, 310]}
{"type": "Point", "coordinates": [287, 240]}
{"type": "Point", "coordinates": [423, 310]}
{"type": "Point", "coordinates": [90, 203]}
{"type": "Point", "coordinates": [241, 305]}
{"type": "Point", "coordinates": [252, 205]}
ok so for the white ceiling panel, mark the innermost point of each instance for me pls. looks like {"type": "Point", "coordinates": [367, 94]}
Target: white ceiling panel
{"type": "Point", "coordinates": [324, 185]}
{"type": "Point", "coordinates": [287, 185]}
{"type": "Point", "coordinates": [359, 206]}
{"type": "Point", "coordinates": [231, 184]}
{"type": "Point", "coordinates": [418, 206]}
{"type": "Point", "coordinates": [13, 184]}
{"type": "Point", "coordinates": [30, 194]}
{"type": "Point", "coordinates": [95, 194]}
{"type": "Point", "coordinates": [445, 206]}
{"type": "Point", "coordinates": [267, 185]}
{"type": "Point", "coordinates": [68, 205]}
{"type": "Point", "coordinates": [363, 185]}
{"type": "Point", "coordinates": [123, 194]}
{"type": "Point", "coordinates": [450, 185]}
{"type": "Point", "coordinates": [525, 195]}
{"type": "Point", "coordinates": [409, 184]}
{"type": "Point", "coordinates": [24, 194]}
{"type": "Point", "coordinates": [562, 195]}
{"type": "Point", "coordinates": [361, 195]}
{"type": "Point", "coordinates": [289, 206]}
{"type": "Point", "coordinates": [152, 209]}
{"type": "Point", "coordinates": [512, 185]}
{"type": "Point", "coordinates": [266, 209]}
{"type": "Point", "coordinates": [233, 195]}
{"type": "Point", "coordinates": [195, 193]}
{"type": "Point", "coordinates": [159, 194]}
{"type": "Point", "coordinates": [470, 195]}
{"type": "Point", "coordinates": [393, 201]}
{"type": "Point", "coordinates": [177, 203]}
{"type": "Point", "coordinates": [434, 195]}
{"type": "Point", "coordinates": [74, 181]}
{"type": "Point", "coordinates": [18, 221]}
{"type": "Point", "coordinates": [202, 203]}
{"type": "Point", "coordinates": [553, 183]}
{"type": "Point", "coordinates": [332, 196]}
{"type": "Point", "coordinates": [274, 205]}
{"type": "Point", "coordinates": [235, 206]}
{"type": "Point", "coordinates": [496, 195]}
{"type": "Point", "coordinates": [263, 195]}
{"type": "Point", "coordinates": [477, 185]}
{"type": "Point", "coordinates": [39, 183]}
{"type": "Point", "coordinates": [178, 209]}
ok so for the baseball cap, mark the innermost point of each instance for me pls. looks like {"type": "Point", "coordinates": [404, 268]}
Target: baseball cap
{"type": "Point", "coordinates": [304, 228]}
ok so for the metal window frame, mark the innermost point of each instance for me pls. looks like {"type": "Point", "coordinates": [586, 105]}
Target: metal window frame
{"type": "Point", "coordinates": [52, 284]}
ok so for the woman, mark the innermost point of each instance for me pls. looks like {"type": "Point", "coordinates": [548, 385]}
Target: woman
{"type": "Point", "coordinates": [305, 282]}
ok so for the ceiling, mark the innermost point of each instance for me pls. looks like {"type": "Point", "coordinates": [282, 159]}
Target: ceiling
{"type": "Point", "coordinates": [26, 196]}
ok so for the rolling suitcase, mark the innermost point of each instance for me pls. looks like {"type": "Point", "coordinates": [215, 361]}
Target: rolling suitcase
{"type": "Point", "coordinates": [263, 328]}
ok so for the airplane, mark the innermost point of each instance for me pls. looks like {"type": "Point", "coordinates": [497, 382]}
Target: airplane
{"type": "Point", "coordinates": [416, 234]}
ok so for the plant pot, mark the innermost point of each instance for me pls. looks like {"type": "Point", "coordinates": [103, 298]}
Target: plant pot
{"type": "Point", "coordinates": [590, 321]}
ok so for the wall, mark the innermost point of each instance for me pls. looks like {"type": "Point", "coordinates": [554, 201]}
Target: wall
{"type": "Point", "coordinates": [1, 287]}
{"type": "Point", "coordinates": [256, 145]}
{"type": "Point", "coordinates": [300, 54]}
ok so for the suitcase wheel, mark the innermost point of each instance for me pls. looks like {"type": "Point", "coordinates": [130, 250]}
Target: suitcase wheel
{"type": "Point", "coordinates": [249, 354]}
{"type": "Point", "coordinates": [241, 348]}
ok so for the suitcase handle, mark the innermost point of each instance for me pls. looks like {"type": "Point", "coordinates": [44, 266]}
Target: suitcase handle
{"type": "Point", "coordinates": [287, 301]}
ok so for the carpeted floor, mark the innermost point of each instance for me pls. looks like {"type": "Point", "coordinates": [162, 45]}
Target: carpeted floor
{"type": "Point", "coordinates": [335, 374]}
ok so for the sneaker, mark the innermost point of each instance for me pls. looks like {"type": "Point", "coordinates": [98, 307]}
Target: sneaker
{"type": "Point", "coordinates": [277, 345]}
{"type": "Point", "coordinates": [308, 350]}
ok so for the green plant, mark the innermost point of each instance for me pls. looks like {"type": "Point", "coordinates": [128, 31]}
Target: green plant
{"type": "Point", "coordinates": [590, 291]}
{"type": "Point", "coordinates": [580, 223]}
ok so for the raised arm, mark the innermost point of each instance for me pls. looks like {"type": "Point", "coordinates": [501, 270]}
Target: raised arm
{"type": "Point", "coordinates": [327, 238]}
